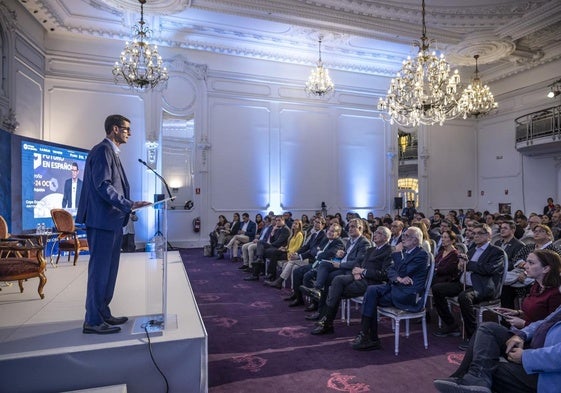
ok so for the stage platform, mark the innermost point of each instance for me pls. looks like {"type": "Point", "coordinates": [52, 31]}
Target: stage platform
{"type": "Point", "coordinates": [43, 350]}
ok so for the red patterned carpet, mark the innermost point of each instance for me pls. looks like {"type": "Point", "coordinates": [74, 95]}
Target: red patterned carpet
{"type": "Point", "coordinates": [258, 344]}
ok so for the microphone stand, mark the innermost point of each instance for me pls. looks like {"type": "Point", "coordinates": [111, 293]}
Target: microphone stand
{"type": "Point", "coordinates": [158, 231]}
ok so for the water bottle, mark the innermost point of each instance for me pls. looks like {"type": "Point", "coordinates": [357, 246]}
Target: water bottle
{"type": "Point", "coordinates": [151, 248]}
{"type": "Point", "coordinates": [42, 229]}
{"type": "Point", "coordinates": [159, 243]}
{"type": "Point", "coordinates": [38, 229]}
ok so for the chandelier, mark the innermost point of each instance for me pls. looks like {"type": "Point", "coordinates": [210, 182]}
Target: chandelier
{"type": "Point", "coordinates": [477, 99]}
{"type": "Point", "coordinates": [423, 92]}
{"type": "Point", "coordinates": [140, 65]}
{"type": "Point", "coordinates": [319, 83]}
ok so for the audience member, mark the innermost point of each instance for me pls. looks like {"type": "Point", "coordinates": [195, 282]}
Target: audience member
{"type": "Point", "coordinates": [532, 355]}
{"type": "Point", "coordinates": [245, 234]}
{"type": "Point", "coordinates": [549, 208]}
{"type": "Point", "coordinates": [404, 290]}
{"type": "Point", "coordinates": [397, 228]}
{"type": "Point", "coordinates": [446, 261]}
{"type": "Point", "coordinates": [275, 255]}
{"type": "Point", "coordinates": [248, 249]}
{"type": "Point", "coordinates": [544, 267]}
{"type": "Point", "coordinates": [278, 238]}
{"type": "Point", "coordinates": [483, 273]}
{"type": "Point", "coordinates": [372, 269]}
{"type": "Point", "coordinates": [226, 234]}
{"type": "Point", "coordinates": [344, 263]}
{"type": "Point", "coordinates": [325, 251]}
{"type": "Point", "coordinates": [215, 234]}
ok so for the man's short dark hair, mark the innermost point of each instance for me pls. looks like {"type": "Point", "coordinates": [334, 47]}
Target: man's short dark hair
{"type": "Point", "coordinates": [114, 120]}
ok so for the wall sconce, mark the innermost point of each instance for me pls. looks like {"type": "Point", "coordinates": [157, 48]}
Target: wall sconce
{"type": "Point", "coordinates": [554, 89]}
{"type": "Point", "coordinates": [151, 151]}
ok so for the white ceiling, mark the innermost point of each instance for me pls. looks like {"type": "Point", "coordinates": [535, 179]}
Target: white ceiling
{"type": "Point", "coordinates": [359, 35]}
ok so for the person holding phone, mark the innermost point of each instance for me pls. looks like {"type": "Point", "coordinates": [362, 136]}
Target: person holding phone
{"type": "Point", "coordinates": [544, 266]}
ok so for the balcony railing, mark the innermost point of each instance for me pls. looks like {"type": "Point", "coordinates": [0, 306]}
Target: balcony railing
{"type": "Point", "coordinates": [545, 123]}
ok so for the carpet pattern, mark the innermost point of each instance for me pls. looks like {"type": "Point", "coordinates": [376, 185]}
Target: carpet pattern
{"type": "Point", "coordinates": [257, 343]}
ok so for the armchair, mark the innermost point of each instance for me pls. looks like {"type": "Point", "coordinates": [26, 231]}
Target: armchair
{"type": "Point", "coordinates": [67, 235]}
{"type": "Point", "coordinates": [22, 259]}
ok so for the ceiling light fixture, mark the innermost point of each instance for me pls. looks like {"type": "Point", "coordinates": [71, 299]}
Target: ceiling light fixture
{"type": "Point", "coordinates": [319, 83]}
{"type": "Point", "coordinates": [423, 92]}
{"type": "Point", "coordinates": [477, 99]}
{"type": "Point", "coordinates": [140, 65]}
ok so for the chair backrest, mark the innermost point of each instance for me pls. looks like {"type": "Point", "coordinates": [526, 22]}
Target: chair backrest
{"type": "Point", "coordinates": [528, 240]}
{"type": "Point", "coordinates": [428, 281]}
{"type": "Point", "coordinates": [557, 243]}
{"type": "Point", "coordinates": [3, 228]}
{"type": "Point", "coordinates": [63, 220]}
{"type": "Point", "coordinates": [433, 246]}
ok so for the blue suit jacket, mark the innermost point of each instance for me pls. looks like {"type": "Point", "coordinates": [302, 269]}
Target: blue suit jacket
{"type": "Point", "coordinates": [416, 266]}
{"type": "Point", "coordinates": [331, 250]}
{"type": "Point", "coordinates": [356, 254]}
{"type": "Point", "coordinates": [544, 361]}
{"type": "Point", "coordinates": [104, 202]}
{"type": "Point", "coordinates": [67, 195]}
{"type": "Point", "coordinates": [251, 230]}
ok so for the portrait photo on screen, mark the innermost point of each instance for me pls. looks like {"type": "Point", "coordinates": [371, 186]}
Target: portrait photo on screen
{"type": "Point", "coordinates": [51, 178]}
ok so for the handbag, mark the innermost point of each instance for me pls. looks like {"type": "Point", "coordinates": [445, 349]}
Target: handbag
{"type": "Point", "coordinates": [207, 250]}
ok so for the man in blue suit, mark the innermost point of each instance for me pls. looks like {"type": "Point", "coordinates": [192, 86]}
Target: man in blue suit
{"type": "Point", "coordinates": [246, 234]}
{"type": "Point", "coordinates": [72, 189]}
{"type": "Point", "coordinates": [105, 207]}
{"type": "Point", "coordinates": [404, 290]}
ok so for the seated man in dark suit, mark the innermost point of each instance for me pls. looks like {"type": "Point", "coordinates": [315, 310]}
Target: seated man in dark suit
{"type": "Point", "coordinates": [372, 269]}
{"type": "Point", "coordinates": [325, 251]}
{"type": "Point", "coordinates": [404, 290]}
{"type": "Point", "coordinates": [279, 238]}
{"type": "Point", "coordinates": [326, 271]}
{"type": "Point", "coordinates": [483, 268]}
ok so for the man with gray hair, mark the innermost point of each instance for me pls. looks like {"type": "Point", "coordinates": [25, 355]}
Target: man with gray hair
{"type": "Point", "coordinates": [372, 269]}
{"type": "Point", "coordinates": [405, 288]}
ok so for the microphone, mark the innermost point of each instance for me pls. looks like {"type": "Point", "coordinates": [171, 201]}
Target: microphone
{"type": "Point", "coordinates": [159, 177]}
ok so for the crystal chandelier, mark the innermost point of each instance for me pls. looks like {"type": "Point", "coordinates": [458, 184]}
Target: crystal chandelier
{"type": "Point", "coordinates": [319, 83]}
{"type": "Point", "coordinates": [477, 99]}
{"type": "Point", "coordinates": [423, 92]}
{"type": "Point", "coordinates": [140, 64]}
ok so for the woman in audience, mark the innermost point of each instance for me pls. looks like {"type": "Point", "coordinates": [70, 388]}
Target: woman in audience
{"type": "Point", "coordinates": [260, 223]}
{"type": "Point", "coordinates": [544, 266]}
{"type": "Point", "coordinates": [215, 234]}
{"type": "Point", "coordinates": [426, 238]}
{"type": "Point", "coordinates": [227, 233]}
{"type": "Point", "coordinates": [366, 232]}
{"type": "Point", "coordinates": [295, 242]}
{"type": "Point", "coordinates": [532, 350]}
{"type": "Point", "coordinates": [446, 261]}
{"type": "Point", "coordinates": [306, 225]}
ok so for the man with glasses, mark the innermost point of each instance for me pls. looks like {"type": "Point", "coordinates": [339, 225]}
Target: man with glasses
{"type": "Point", "coordinates": [72, 189]}
{"type": "Point", "coordinates": [405, 289]}
{"type": "Point", "coordinates": [397, 228]}
{"type": "Point", "coordinates": [482, 268]}
{"type": "Point", "coordinates": [326, 271]}
{"type": "Point", "coordinates": [371, 269]}
{"type": "Point", "coordinates": [105, 208]}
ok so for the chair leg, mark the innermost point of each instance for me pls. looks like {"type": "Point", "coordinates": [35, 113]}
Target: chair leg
{"type": "Point", "coordinates": [57, 257]}
{"type": "Point", "coordinates": [76, 255]}
{"type": "Point", "coordinates": [42, 282]}
{"type": "Point", "coordinates": [20, 283]}
{"type": "Point", "coordinates": [396, 337]}
{"type": "Point", "coordinates": [425, 337]}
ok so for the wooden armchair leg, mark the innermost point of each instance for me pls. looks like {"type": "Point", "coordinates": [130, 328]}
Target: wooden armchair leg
{"type": "Point", "coordinates": [42, 282]}
{"type": "Point", "coordinates": [76, 254]}
{"type": "Point", "coordinates": [20, 283]}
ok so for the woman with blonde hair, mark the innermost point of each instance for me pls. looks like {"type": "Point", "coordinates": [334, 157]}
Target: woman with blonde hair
{"type": "Point", "coordinates": [295, 242]}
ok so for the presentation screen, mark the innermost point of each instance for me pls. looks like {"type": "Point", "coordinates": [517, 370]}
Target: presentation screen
{"type": "Point", "coordinates": [51, 178]}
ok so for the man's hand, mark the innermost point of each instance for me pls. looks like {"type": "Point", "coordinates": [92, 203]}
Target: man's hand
{"type": "Point", "coordinates": [340, 253]}
{"type": "Point", "coordinates": [405, 280]}
{"type": "Point", "coordinates": [515, 355]}
{"type": "Point", "coordinates": [336, 265]}
{"type": "Point", "coordinates": [515, 342]}
{"type": "Point", "coordinates": [139, 204]}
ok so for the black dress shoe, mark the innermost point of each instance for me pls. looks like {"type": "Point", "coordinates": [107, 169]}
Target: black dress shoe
{"type": "Point", "coordinates": [251, 278]}
{"type": "Point", "coordinates": [289, 298]}
{"type": "Point", "coordinates": [102, 328]}
{"type": "Point", "coordinates": [295, 303]}
{"type": "Point", "coordinates": [311, 307]}
{"type": "Point", "coordinates": [243, 267]}
{"type": "Point", "coordinates": [116, 320]}
{"type": "Point", "coordinates": [365, 343]}
{"type": "Point", "coordinates": [464, 345]}
{"type": "Point", "coordinates": [323, 328]}
{"type": "Point", "coordinates": [313, 317]}
{"type": "Point", "coordinates": [270, 277]}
